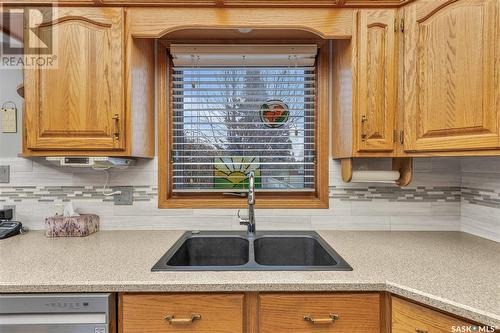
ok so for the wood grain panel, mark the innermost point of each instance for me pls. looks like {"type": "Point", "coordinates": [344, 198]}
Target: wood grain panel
{"type": "Point", "coordinates": [145, 313]}
{"type": "Point", "coordinates": [497, 67]}
{"type": "Point", "coordinates": [342, 98]}
{"type": "Point", "coordinates": [140, 96]}
{"type": "Point", "coordinates": [410, 318]}
{"type": "Point", "coordinates": [377, 84]}
{"type": "Point", "coordinates": [71, 106]}
{"type": "Point", "coordinates": [285, 313]}
{"type": "Point", "coordinates": [449, 75]}
{"type": "Point", "coordinates": [252, 312]}
{"type": "Point", "coordinates": [327, 23]}
{"type": "Point", "coordinates": [225, 3]}
{"type": "Point", "coordinates": [385, 312]}
{"type": "Point", "coordinates": [376, 3]}
{"type": "Point", "coordinates": [48, 2]}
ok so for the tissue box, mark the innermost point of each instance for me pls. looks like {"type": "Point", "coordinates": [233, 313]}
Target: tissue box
{"type": "Point", "coordinates": [74, 226]}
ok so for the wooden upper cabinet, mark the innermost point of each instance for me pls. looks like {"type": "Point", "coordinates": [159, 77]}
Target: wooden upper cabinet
{"type": "Point", "coordinates": [449, 79]}
{"type": "Point", "coordinates": [78, 104]}
{"type": "Point", "coordinates": [376, 80]}
{"type": "Point", "coordinates": [364, 87]}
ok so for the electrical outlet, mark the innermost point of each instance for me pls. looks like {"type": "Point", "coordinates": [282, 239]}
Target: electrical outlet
{"type": "Point", "coordinates": [4, 174]}
{"type": "Point", "coordinates": [13, 207]}
{"type": "Point", "coordinates": [126, 197]}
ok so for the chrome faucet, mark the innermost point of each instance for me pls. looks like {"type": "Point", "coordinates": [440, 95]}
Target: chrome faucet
{"type": "Point", "coordinates": [250, 220]}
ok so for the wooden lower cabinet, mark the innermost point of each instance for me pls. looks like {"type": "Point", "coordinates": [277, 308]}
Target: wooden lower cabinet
{"type": "Point", "coordinates": [200, 313]}
{"type": "Point", "coordinates": [408, 317]}
{"type": "Point", "coordinates": [318, 313]}
{"type": "Point", "coordinates": [251, 313]}
{"type": "Point", "coordinates": [325, 312]}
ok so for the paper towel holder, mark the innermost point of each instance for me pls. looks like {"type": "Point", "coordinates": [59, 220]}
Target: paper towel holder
{"type": "Point", "coordinates": [402, 164]}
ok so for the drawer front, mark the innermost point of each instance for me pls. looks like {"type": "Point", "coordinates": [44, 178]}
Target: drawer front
{"type": "Point", "coordinates": [301, 313]}
{"type": "Point", "coordinates": [408, 317]}
{"type": "Point", "coordinates": [159, 313]}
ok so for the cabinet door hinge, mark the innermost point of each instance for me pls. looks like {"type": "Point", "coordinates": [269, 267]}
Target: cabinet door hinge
{"type": "Point", "coordinates": [402, 25]}
{"type": "Point", "coordinates": [395, 25]}
{"type": "Point", "coordinates": [402, 137]}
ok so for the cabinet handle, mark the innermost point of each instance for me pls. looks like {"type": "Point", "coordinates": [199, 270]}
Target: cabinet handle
{"type": "Point", "coordinates": [418, 330]}
{"type": "Point", "coordinates": [364, 120]}
{"type": "Point", "coordinates": [172, 320]}
{"type": "Point", "coordinates": [116, 133]}
{"type": "Point", "coordinates": [332, 317]}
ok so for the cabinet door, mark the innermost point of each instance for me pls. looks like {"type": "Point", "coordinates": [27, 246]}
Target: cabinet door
{"type": "Point", "coordinates": [449, 61]}
{"type": "Point", "coordinates": [377, 80]}
{"type": "Point", "coordinates": [319, 313]}
{"type": "Point", "coordinates": [410, 318]}
{"type": "Point", "coordinates": [176, 313]}
{"type": "Point", "coordinates": [78, 104]}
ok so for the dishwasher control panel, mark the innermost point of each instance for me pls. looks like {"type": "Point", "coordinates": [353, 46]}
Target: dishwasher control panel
{"type": "Point", "coordinates": [57, 313]}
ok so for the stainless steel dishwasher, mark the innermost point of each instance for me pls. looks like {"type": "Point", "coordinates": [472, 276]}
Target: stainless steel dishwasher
{"type": "Point", "coordinates": [57, 313]}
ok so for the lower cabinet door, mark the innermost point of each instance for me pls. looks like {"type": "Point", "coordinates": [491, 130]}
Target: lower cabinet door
{"type": "Point", "coordinates": [408, 317]}
{"type": "Point", "coordinates": [318, 313]}
{"type": "Point", "coordinates": [200, 313]}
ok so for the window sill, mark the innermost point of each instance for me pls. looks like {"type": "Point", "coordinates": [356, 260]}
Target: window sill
{"type": "Point", "coordinates": [263, 201]}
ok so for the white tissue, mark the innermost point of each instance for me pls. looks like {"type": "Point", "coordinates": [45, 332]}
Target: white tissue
{"type": "Point", "coordinates": [69, 210]}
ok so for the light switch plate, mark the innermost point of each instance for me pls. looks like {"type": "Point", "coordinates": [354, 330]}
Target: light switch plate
{"type": "Point", "coordinates": [126, 197]}
{"type": "Point", "coordinates": [9, 120]}
{"type": "Point", "coordinates": [4, 174]}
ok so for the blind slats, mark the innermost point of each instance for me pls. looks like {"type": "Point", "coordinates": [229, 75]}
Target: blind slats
{"type": "Point", "coordinates": [181, 172]}
{"type": "Point", "coordinates": [225, 123]}
{"type": "Point", "coordinates": [214, 143]}
{"type": "Point", "coordinates": [256, 104]}
{"type": "Point", "coordinates": [228, 121]}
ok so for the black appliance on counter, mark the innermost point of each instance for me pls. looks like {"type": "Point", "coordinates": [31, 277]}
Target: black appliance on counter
{"type": "Point", "coordinates": [9, 228]}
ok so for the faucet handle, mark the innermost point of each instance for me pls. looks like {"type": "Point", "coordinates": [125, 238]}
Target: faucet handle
{"type": "Point", "coordinates": [240, 217]}
{"type": "Point", "coordinates": [243, 220]}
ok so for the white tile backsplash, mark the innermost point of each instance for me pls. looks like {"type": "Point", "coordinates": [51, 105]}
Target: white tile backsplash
{"type": "Point", "coordinates": [481, 173]}
{"type": "Point", "coordinates": [425, 223]}
{"type": "Point", "coordinates": [348, 212]}
{"type": "Point", "coordinates": [351, 223]}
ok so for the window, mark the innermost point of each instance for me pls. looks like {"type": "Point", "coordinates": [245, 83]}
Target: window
{"type": "Point", "coordinates": [243, 115]}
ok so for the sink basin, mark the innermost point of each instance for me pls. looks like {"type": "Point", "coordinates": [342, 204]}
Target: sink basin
{"type": "Point", "coordinates": [291, 251]}
{"type": "Point", "coordinates": [211, 251]}
{"type": "Point", "coordinates": [266, 251]}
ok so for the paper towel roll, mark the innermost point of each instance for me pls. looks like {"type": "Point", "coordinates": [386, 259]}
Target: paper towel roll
{"type": "Point", "coordinates": [375, 176]}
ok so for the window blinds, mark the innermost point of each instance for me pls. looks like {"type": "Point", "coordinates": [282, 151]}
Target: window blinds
{"type": "Point", "coordinates": [228, 121]}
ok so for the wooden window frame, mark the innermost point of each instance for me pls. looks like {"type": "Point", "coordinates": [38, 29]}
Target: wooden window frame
{"type": "Point", "coordinates": [168, 199]}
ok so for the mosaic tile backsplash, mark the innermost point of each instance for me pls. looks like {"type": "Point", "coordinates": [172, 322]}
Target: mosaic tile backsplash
{"type": "Point", "coordinates": [70, 193]}
{"type": "Point", "coordinates": [446, 194]}
{"type": "Point", "coordinates": [483, 197]}
{"type": "Point", "coordinates": [148, 193]}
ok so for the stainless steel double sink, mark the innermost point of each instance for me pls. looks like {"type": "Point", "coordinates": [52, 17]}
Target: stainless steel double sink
{"type": "Point", "coordinates": [265, 251]}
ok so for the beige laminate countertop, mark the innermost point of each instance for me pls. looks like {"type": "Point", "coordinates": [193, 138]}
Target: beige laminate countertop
{"type": "Point", "coordinates": [451, 271]}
